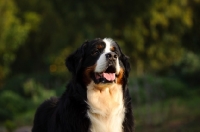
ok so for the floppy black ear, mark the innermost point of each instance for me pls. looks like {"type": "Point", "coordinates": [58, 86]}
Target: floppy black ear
{"type": "Point", "coordinates": [126, 63]}
{"type": "Point", "coordinates": [74, 60]}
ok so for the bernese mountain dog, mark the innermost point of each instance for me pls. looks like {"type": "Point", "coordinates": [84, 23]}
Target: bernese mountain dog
{"type": "Point", "coordinates": [97, 98]}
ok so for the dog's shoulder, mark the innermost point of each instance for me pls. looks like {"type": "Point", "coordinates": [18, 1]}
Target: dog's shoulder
{"type": "Point", "coordinates": [48, 105]}
{"type": "Point", "coordinates": [44, 114]}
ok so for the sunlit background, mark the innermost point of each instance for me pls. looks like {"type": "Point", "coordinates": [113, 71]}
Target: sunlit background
{"type": "Point", "coordinates": [161, 37]}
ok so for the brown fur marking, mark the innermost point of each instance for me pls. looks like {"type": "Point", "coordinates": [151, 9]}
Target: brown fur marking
{"type": "Point", "coordinates": [86, 75]}
{"type": "Point", "coordinates": [120, 76]}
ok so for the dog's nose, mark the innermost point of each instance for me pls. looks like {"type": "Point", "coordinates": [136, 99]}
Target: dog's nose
{"type": "Point", "coordinates": [111, 56]}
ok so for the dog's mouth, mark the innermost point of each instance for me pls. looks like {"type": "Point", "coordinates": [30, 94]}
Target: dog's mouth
{"type": "Point", "coordinates": [107, 76]}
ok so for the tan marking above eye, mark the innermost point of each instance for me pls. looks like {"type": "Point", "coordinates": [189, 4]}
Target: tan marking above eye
{"type": "Point", "coordinates": [112, 48]}
{"type": "Point", "coordinates": [100, 46]}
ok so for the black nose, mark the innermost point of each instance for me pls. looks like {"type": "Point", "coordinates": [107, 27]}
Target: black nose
{"type": "Point", "coordinates": [111, 56]}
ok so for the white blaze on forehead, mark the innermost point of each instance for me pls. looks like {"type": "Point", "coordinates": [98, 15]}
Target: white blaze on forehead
{"type": "Point", "coordinates": [108, 42]}
{"type": "Point", "coordinates": [102, 61]}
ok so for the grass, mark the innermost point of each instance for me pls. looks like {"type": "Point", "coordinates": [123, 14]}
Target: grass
{"type": "Point", "coordinates": [174, 115]}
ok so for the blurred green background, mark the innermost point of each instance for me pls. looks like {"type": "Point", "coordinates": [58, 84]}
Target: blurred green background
{"type": "Point", "coordinates": [162, 38]}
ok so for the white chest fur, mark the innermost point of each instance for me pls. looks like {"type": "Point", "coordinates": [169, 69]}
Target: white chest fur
{"type": "Point", "coordinates": [106, 110]}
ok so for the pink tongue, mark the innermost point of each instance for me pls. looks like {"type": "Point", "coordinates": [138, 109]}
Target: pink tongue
{"type": "Point", "coordinates": [109, 76]}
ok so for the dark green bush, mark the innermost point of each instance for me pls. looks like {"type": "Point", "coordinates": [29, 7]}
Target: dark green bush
{"type": "Point", "coordinates": [11, 105]}
{"type": "Point", "coordinates": [152, 88]}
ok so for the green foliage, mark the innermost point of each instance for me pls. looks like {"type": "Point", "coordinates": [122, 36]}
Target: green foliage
{"type": "Point", "coordinates": [163, 103]}
{"type": "Point", "coordinates": [17, 110]}
{"type": "Point", "coordinates": [190, 63]}
{"type": "Point", "coordinates": [155, 36]}
{"type": "Point", "coordinates": [12, 35]}
{"type": "Point", "coordinates": [151, 35]}
{"type": "Point", "coordinates": [174, 115]}
{"type": "Point", "coordinates": [151, 88]}
{"type": "Point", "coordinates": [36, 91]}
{"type": "Point", "coordinates": [11, 104]}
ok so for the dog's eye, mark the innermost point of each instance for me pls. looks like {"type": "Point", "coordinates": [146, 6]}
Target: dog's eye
{"type": "Point", "coordinates": [95, 52]}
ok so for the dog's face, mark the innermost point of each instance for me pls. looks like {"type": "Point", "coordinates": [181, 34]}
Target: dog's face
{"type": "Point", "coordinates": [100, 61]}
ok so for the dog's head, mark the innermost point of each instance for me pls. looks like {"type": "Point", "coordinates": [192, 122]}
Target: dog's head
{"type": "Point", "coordinates": [100, 61]}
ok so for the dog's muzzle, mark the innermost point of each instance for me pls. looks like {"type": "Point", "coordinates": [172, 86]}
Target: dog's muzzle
{"type": "Point", "coordinates": [108, 75]}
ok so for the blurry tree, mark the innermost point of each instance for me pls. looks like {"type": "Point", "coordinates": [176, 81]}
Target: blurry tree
{"type": "Point", "coordinates": [155, 36]}
{"type": "Point", "coordinates": [150, 35]}
{"type": "Point", "coordinates": [188, 67]}
{"type": "Point", "coordinates": [150, 32]}
{"type": "Point", "coordinates": [191, 39]}
{"type": "Point", "coordinates": [63, 26]}
{"type": "Point", "coordinates": [12, 35]}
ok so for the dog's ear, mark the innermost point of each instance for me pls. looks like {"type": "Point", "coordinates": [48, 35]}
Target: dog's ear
{"type": "Point", "coordinates": [74, 60]}
{"type": "Point", "coordinates": [126, 63]}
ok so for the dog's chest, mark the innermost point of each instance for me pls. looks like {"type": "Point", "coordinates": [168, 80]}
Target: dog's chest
{"type": "Point", "coordinates": [106, 108]}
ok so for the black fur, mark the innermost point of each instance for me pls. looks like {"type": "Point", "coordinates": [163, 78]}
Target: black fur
{"type": "Point", "coordinates": [69, 112]}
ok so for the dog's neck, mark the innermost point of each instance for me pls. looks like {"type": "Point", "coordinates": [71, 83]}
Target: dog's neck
{"type": "Point", "coordinates": [106, 108]}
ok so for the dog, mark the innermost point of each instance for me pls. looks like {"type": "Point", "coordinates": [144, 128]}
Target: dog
{"type": "Point", "coordinates": [97, 98]}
